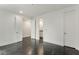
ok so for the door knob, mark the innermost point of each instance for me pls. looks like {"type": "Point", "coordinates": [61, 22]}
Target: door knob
{"type": "Point", "coordinates": [16, 32]}
{"type": "Point", "coordinates": [65, 33]}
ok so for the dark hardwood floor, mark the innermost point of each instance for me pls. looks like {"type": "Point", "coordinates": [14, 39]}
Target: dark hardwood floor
{"type": "Point", "coordinates": [49, 49]}
{"type": "Point", "coordinates": [70, 51]}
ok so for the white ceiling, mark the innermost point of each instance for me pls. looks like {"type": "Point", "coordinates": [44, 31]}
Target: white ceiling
{"type": "Point", "coordinates": [32, 10]}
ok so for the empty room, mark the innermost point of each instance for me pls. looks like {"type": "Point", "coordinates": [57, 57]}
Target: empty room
{"type": "Point", "coordinates": [39, 29]}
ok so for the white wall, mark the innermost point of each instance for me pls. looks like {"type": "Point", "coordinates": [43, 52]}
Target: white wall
{"type": "Point", "coordinates": [76, 25]}
{"type": "Point", "coordinates": [27, 28]}
{"type": "Point", "coordinates": [7, 28]}
{"type": "Point", "coordinates": [53, 27]}
{"type": "Point", "coordinates": [77, 28]}
{"type": "Point", "coordinates": [33, 28]}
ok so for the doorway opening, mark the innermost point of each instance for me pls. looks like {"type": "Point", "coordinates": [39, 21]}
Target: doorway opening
{"type": "Point", "coordinates": [40, 46]}
{"type": "Point", "coordinates": [26, 42]}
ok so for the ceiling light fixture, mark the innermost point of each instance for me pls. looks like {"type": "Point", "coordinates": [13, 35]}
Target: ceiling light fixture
{"type": "Point", "coordinates": [20, 12]}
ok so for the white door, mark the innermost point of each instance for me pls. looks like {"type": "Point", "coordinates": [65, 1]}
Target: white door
{"type": "Point", "coordinates": [69, 28]}
{"type": "Point", "coordinates": [18, 27]}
